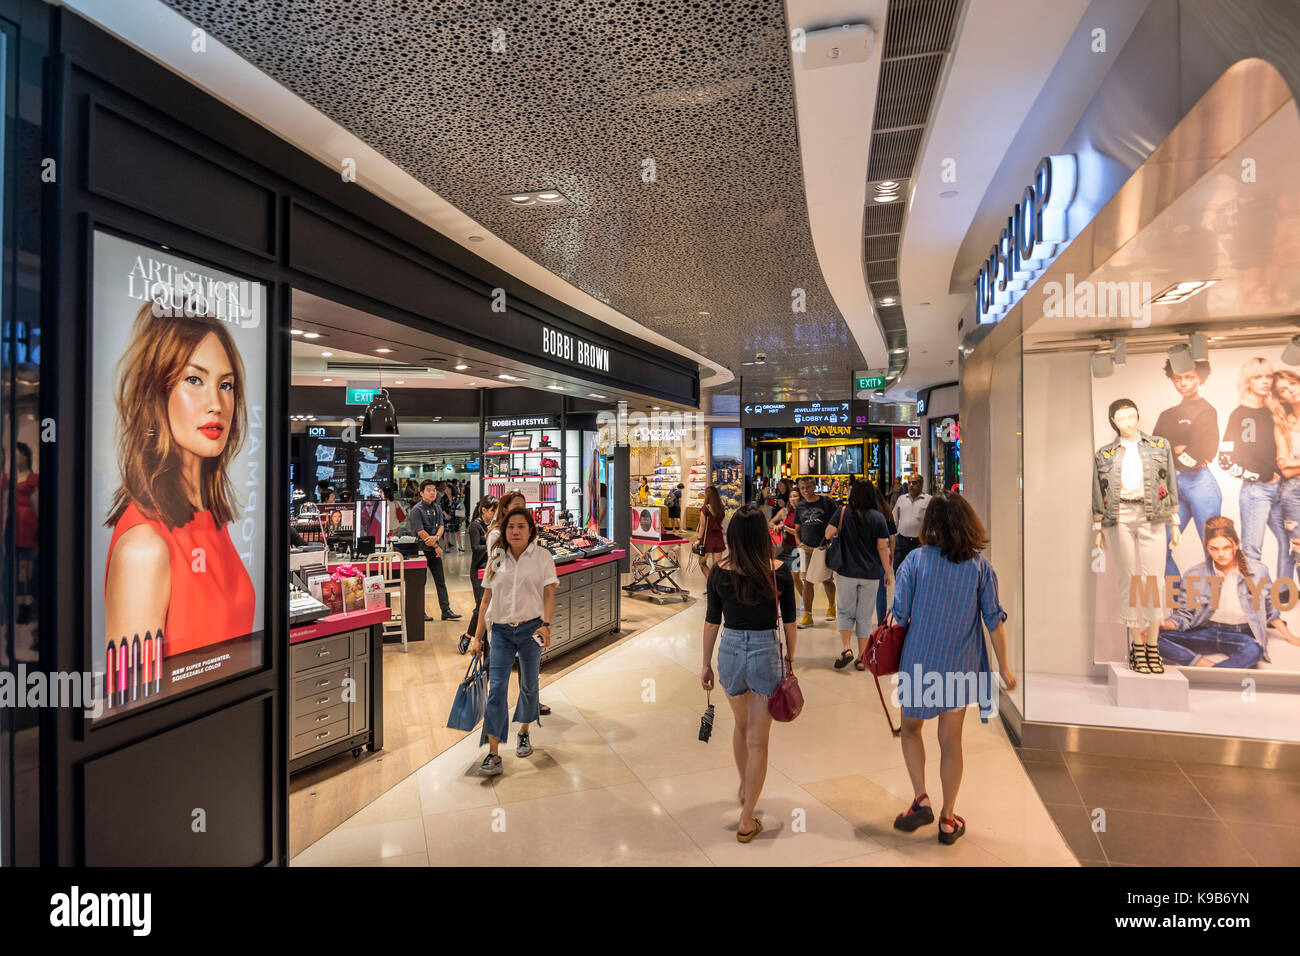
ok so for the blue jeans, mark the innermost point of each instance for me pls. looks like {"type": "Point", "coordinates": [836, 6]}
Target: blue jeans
{"type": "Point", "coordinates": [1185, 647]}
{"type": "Point", "coordinates": [508, 641]}
{"type": "Point", "coordinates": [1289, 497]}
{"type": "Point", "coordinates": [749, 661]}
{"type": "Point", "coordinates": [1261, 507]}
{"type": "Point", "coordinates": [1199, 499]}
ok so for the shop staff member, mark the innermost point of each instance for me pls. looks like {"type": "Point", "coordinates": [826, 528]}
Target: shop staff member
{"type": "Point", "coordinates": [909, 511]}
{"type": "Point", "coordinates": [428, 525]}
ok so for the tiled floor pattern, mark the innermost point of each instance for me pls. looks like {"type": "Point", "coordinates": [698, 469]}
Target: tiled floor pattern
{"type": "Point", "coordinates": [619, 777]}
{"type": "Point", "coordinates": [1125, 811]}
{"type": "Point", "coordinates": [419, 687]}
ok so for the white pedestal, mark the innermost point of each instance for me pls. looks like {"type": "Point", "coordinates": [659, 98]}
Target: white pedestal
{"type": "Point", "coordinates": [1167, 691]}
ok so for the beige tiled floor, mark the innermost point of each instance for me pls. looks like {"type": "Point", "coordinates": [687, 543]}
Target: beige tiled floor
{"type": "Point", "coordinates": [618, 777]}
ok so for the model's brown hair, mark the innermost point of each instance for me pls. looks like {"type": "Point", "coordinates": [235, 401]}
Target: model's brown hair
{"type": "Point", "coordinates": [161, 346]}
{"type": "Point", "coordinates": [1221, 527]}
{"type": "Point", "coordinates": [1286, 409]}
{"type": "Point", "coordinates": [951, 525]}
{"type": "Point", "coordinates": [505, 507]}
{"type": "Point", "coordinates": [749, 556]}
{"type": "Point", "coordinates": [501, 544]}
{"type": "Point", "coordinates": [713, 501]}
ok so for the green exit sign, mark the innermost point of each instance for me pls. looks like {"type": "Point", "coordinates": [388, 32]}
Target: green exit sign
{"type": "Point", "coordinates": [362, 396]}
{"type": "Point", "coordinates": [874, 381]}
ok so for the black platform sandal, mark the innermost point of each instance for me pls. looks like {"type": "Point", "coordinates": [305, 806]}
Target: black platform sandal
{"type": "Point", "coordinates": [844, 660]}
{"type": "Point", "coordinates": [958, 830]}
{"type": "Point", "coordinates": [1137, 660]}
{"type": "Point", "coordinates": [1154, 661]}
{"type": "Point", "coordinates": [916, 816]}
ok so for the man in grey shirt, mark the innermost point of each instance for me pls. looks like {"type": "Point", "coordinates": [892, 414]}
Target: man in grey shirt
{"type": "Point", "coordinates": [428, 525]}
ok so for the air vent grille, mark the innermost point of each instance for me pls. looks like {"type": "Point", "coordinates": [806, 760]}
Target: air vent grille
{"type": "Point", "coordinates": [884, 218]}
{"type": "Point", "coordinates": [883, 290]}
{"type": "Point", "coordinates": [893, 155]}
{"type": "Point", "coordinates": [919, 26]}
{"type": "Point", "coordinates": [906, 88]}
{"type": "Point", "coordinates": [388, 370]}
{"type": "Point", "coordinates": [882, 247]}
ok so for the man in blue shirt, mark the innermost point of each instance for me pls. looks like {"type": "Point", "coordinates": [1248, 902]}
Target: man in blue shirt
{"type": "Point", "coordinates": [428, 525]}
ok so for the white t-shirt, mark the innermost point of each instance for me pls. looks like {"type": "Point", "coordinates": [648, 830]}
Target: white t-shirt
{"type": "Point", "coordinates": [1131, 471]}
{"type": "Point", "coordinates": [1230, 610]}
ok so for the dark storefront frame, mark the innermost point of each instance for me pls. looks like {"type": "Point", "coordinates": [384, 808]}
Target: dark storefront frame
{"type": "Point", "coordinates": [147, 155]}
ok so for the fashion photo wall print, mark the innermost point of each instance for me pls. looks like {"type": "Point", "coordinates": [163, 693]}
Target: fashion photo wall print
{"type": "Point", "coordinates": [1196, 498]}
{"type": "Point", "coordinates": [177, 467]}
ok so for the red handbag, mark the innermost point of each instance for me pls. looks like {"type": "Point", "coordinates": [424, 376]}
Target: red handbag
{"type": "Point", "coordinates": [786, 701]}
{"type": "Point", "coordinates": [884, 648]}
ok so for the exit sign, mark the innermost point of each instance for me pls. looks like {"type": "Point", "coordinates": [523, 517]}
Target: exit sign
{"type": "Point", "coordinates": [868, 382]}
{"type": "Point", "coordinates": [361, 396]}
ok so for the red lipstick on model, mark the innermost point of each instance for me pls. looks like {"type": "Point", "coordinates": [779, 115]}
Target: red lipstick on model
{"type": "Point", "coordinates": [212, 430]}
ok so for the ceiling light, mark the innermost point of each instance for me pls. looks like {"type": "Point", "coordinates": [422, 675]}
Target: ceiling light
{"type": "Point", "coordinates": [1180, 360]}
{"type": "Point", "coordinates": [327, 380]}
{"type": "Point", "coordinates": [594, 395]}
{"type": "Point", "coordinates": [510, 378]}
{"type": "Point", "coordinates": [888, 186]}
{"type": "Point", "coordinates": [703, 313]}
{"type": "Point", "coordinates": [897, 351]}
{"type": "Point", "coordinates": [380, 418]}
{"type": "Point", "coordinates": [550, 197]}
{"type": "Point", "coordinates": [311, 335]}
{"type": "Point", "coordinates": [947, 194]}
{"type": "Point", "coordinates": [888, 300]}
{"type": "Point", "coordinates": [469, 383]}
{"type": "Point", "coordinates": [887, 197]}
{"type": "Point", "coordinates": [475, 238]}
{"type": "Point", "coordinates": [383, 351]}
{"type": "Point", "coordinates": [558, 388]}
{"type": "Point", "coordinates": [327, 355]}
{"type": "Point", "coordinates": [295, 331]}
{"type": "Point", "coordinates": [399, 382]}
{"type": "Point", "coordinates": [461, 367]}
{"type": "Point", "coordinates": [522, 200]}
{"type": "Point", "coordinates": [654, 408]}
{"type": "Point", "coordinates": [1103, 366]}
{"type": "Point", "coordinates": [1182, 291]}
{"type": "Point", "coordinates": [1291, 354]}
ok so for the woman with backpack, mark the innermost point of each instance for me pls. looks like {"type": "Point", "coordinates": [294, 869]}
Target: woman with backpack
{"type": "Point", "coordinates": [861, 566]}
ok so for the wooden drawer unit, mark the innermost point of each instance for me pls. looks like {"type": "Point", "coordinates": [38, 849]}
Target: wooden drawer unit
{"type": "Point", "coordinates": [331, 693]}
{"type": "Point", "coordinates": [604, 572]}
{"type": "Point", "coordinates": [321, 718]}
{"type": "Point", "coordinates": [312, 739]}
{"type": "Point", "coordinates": [318, 653]}
{"type": "Point", "coordinates": [319, 684]}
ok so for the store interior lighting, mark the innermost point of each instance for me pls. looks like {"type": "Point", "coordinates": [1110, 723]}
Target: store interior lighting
{"type": "Point", "coordinates": [1119, 351]}
{"type": "Point", "coordinates": [1291, 354]}
{"type": "Point", "coordinates": [1180, 360]}
{"type": "Point", "coordinates": [1103, 365]}
{"type": "Point", "coordinates": [1181, 291]}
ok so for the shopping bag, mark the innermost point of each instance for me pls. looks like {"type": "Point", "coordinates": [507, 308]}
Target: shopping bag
{"type": "Point", "coordinates": [471, 698]}
{"type": "Point", "coordinates": [817, 572]}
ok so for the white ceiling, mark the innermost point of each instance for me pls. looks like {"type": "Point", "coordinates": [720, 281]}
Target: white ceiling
{"type": "Point", "coordinates": [1005, 53]}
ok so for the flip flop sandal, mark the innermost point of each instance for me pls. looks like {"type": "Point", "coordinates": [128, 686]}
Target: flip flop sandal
{"type": "Point", "coordinates": [844, 660]}
{"type": "Point", "coordinates": [861, 665]}
{"type": "Point", "coordinates": [959, 828]}
{"type": "Point", "coordinates": [915, 816]}
{"type": "Point", "coordinates": [746, 837]}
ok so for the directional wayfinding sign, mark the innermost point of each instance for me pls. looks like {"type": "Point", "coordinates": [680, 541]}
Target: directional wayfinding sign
{"type": "Point", "coordinates": [793, 414]}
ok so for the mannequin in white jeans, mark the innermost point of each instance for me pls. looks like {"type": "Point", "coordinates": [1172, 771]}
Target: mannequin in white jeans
{"type": "Point", "coordinates": [1138, 547]}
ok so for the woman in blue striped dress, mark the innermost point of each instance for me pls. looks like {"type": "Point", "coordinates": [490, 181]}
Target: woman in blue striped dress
{"type": "Point", "coordinates": [943, 591]}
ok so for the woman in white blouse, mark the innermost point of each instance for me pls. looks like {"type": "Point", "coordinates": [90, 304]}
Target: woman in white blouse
{"type": "Point", "coordinates": [519, 598]}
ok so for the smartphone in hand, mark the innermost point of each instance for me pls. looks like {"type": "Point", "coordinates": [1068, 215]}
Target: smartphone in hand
{"type": "Point", "coordinates": [538, 638]}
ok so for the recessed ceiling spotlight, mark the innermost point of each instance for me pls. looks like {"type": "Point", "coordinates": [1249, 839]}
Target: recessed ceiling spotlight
{"type": "Point", "coordinates": [558, 388]}
{"type": "Point", "coordinates": [399, 382]}
{"type": "Point", "coordinates": [886, 197]}
{"type": "Point", "coordinates": [475, 238]}
{"type": "Point", "coordinates": [888, 300]}
{"type": "Point", "coordinates": [510, 378]}
{"type": "Point", "coordinates": [1182, 291]}
{"type": "Point", "coordinates": [923, 303]}
{"type": "Point", "coordinates": [461, 367]}
{"type": "Point", "coordinates": [311, 335]}
{"type": "Point", "coordinates": [327, 380]}
{"type": "Point", "coordinates": [888, 186]}
{"type": "Point", "coordinates": [383, 351]}
{"type": "Point", "coordinates": [947, 194]}
{"type": "Point", "coordinates": [522, 200]}
{"type": "Point", "coordinates": [549, 197]}
{"type": "Point", "coordinates": [469, 383]}
{"type": "Point", "coordinates": [704, 313]}
{"type": "Point", "coordinates": [550, 194]}
{"type": "Point", "coordinates": [654, 408]}
{"type": "Point", "coordinates": [594, 395]}
{"type": "Point", "coordinates": [295, 331]}
{"type": "Point", "coordinates": [897, 351]}
{"type": "Point", "coordinates": [327, 355]}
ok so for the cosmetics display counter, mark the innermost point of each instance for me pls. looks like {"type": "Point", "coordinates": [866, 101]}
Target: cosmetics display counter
{"type": "Point", "coordinates": [338, 687]}
{"type": "Point", "coordinates": [587, 601]}
{"type": "Point", "coordinates": [414, 572]}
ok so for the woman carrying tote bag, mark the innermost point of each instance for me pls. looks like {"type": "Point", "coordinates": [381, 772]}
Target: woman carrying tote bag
{"type": "Point", "coordinates": [744, 591]}
{"type": "Point", "coordinates": [859, 556]}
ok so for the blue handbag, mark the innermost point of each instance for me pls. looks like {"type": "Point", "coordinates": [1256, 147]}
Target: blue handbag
{"type": "Point", "coordinates": [471, 698]}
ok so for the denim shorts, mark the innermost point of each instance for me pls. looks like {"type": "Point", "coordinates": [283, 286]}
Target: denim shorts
{"type": "Point", "coordinates": [749, 661]}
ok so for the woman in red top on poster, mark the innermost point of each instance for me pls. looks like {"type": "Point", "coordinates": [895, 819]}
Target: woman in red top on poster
{"type": "Point", "coordinates": [181, 417]}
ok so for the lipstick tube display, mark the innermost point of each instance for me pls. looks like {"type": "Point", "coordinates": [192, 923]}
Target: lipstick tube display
{"type": "Point", "coordinates": [148, 661]}
{"type": "Point", "coordinates": [135, 667]}
{"type": "Point", "coordinates": [123, 659]}
{"type": "Point", "coordinates": [157, 661]}
{"type": "Point", "coordinates": [110, 671]}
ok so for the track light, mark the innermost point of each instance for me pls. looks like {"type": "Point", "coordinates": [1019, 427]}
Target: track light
{"type": "Point", "coordinates": [1119, 347]}
{"type": "Point", "coordinates": [1291, 354]}
{"type": "Point", "coordinates": [1196, 342]}
{"type": "Point", "coordinates": [1180, 360]}
{"type": "Point", "coordinates": [1103, 366]}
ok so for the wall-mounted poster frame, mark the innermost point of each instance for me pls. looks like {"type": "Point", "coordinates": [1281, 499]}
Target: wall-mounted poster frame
{"type": "Point", "coordinates": [178, 529]}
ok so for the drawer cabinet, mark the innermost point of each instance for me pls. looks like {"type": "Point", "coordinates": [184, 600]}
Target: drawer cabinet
{"type": "Point", "coordinates": [586, 606]}
{"type": "Point", "coordinates": [335, 692]}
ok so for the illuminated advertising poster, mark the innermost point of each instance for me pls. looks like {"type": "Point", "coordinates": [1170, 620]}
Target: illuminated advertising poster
{"type": "Point", "coordinates": [177, 467]}
{"type": "Point", "coordinates": [728, 470]}
{"type": "Point", "coordinates": [1201, 527]}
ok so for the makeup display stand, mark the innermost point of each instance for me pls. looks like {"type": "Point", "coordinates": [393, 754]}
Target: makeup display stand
{"type": "Point", "coordinates": [337, 678]}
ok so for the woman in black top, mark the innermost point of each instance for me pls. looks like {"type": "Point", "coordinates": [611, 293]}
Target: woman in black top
{"type": "Point", "coordinates": [1250, 452]}
{"type": "Point", "coordinates": [484, 514]}
{"type": "Point", "coordinates": [743, 593]}
{"type": "Point", "coordinates": [866, 570]}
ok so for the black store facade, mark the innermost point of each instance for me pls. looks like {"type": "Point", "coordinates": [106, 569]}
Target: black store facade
{"type": "Point", "coordinates": [151, 163]}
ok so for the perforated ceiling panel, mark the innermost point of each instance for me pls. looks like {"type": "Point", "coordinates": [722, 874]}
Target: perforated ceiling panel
{"type": "Point", "coordinates": [591, 97]}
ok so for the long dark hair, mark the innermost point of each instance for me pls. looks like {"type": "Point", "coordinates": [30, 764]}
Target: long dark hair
{"type": "Point", "coordinates": [784, 496]}
{"type": "Point", "coordinates": [863, 497]}
{"type": "Point", "coordinates": [1221, 527]}
{"type": "Point", "coordinates": [749, 556]}
{"type": "Point", "coordinates": [484, 503]}
{"type": "Point", "coordinates": [951, 525]}
{"type": "Point", "coordinates": [713, 502]}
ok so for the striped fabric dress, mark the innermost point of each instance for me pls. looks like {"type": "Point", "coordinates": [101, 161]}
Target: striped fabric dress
{"type": "Point", "coordinates": [945, 663]}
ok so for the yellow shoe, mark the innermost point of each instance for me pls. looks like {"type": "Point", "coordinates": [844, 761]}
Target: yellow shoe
{"type": "Point", "coordinates": [806, 620]}
{"type": "Point", "coordinates": [830, 612]}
